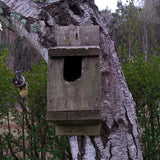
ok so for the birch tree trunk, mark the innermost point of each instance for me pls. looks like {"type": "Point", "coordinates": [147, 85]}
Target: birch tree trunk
{"type": "Point", "coordinates": [37, 22]}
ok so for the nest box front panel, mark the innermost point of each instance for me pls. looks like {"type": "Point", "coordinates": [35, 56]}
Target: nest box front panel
{"type": "Point", "coordinates": [74, 86]}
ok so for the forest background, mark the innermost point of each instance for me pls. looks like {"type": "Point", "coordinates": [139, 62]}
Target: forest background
{"type": "Point", "coordinates": [25, 133]}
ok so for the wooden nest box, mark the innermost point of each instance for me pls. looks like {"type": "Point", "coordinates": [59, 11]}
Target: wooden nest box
{"type": "Point", "coordinates": [74, 81]}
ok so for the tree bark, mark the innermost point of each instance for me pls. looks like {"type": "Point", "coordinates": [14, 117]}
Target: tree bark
{"type": "Point", "coordinates": [38, 22]}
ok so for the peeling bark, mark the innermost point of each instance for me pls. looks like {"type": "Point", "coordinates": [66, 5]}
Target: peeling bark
{"type": "Point", "coordinates": [37, 22]}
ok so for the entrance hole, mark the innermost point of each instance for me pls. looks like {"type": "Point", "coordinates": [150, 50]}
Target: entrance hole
{"type": "Point", "coordinates": [72, 68]}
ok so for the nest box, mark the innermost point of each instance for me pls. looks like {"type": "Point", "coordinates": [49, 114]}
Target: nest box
{"type": "Point", "coordinates": [74, 81]}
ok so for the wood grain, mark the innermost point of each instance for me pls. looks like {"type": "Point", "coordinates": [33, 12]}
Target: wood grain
{"type": "Point", "coordinates": [73, 115]}
{"type": "Point", "coordinates": [78, 36]}
{"type": "Point", "coordinates": [74, 51]}
{"type": "Point", "coordinates": [75, 106]}
{"type": "Point", "coordinates": [83, 129]}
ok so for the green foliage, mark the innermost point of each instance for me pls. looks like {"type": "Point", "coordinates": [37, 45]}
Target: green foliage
{"type": "Point", "coordinates": [5, 81]}
{"type": "Point", "coordinates": [6, 90]}
{"type": "Point", "coordinates": [130, 29]}
{"type": "Point", "coordinates": [143, 79]}
{"type": "Point", "coordinates": [25, 133]}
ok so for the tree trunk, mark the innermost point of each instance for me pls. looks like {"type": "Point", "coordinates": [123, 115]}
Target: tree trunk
{"type": "Point", "coordinates": [37, 22]}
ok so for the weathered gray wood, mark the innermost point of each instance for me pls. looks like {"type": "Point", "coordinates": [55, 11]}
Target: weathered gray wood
{"type": "Point", "coordinates": [78, 36]}
{"type": "Point", "coordinates": [83, 129]}
{"type": "Point", "coordinates": [82, 94]}
{"type": "Point", "coordinates": [83, 51]}
{"type": "Point", "coordinates": [77, 122]}
{"type": "Point", "coordinates": [73, 115]}
{"type": "Point", "coordinates": [79, 99]}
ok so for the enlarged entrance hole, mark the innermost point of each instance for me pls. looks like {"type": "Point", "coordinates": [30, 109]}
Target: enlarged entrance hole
{"type": "Point", "coordinates": [72, 68]}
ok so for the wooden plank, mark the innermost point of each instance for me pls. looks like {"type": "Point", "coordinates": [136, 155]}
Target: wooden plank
{"type": "Point", "coordinates": [73, 115]}
{"type": "Point", "coordinates": [78, 35]}
{"type": "Point", "coordinates": [77, 130]}
{"type": "Point", "coordinates": [81, 94]}
{"type": "Point", "coordinates": [74, 51]}
{"type": "Point", "coordinates": [76, 122]}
